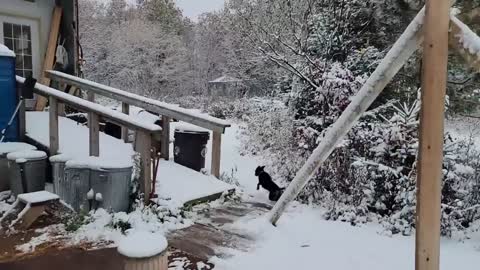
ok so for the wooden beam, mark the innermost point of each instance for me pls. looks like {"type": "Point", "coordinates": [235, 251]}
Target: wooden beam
{"type": "Point", "coordinates": [94, 131]}
{"type": "Point", "coordinates": [144, 146]}
{"type": "Point", "coordinates": [165, 137]}
{"type": "Point", "coordinates": [125, 110]}
{"type": "Point", "coordinates": [53, 126]}
{"type": "Point", "coordinates": [216, 153]}
{"type": "Point", "coordinates": [429, 180]}
{"type": "Point", "coordinates": [456, 41]}
{"type": "Point", "coordinates": [48, 62]}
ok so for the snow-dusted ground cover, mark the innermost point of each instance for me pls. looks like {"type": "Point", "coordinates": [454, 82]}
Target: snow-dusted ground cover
{"type": "Point", "coordinates": [303, 240]}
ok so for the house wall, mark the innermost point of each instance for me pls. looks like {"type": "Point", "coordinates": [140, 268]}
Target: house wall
{"type": "Point", "coordinates": [40, 11]}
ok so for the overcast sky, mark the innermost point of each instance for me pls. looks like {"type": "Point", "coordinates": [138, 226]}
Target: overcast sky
{"type": "Point", "coordinates": [193, 8]}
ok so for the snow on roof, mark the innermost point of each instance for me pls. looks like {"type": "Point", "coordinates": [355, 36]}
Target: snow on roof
{"type": "Point", "coordinates": [99, 163]}
{"type": "Point", "coordinates": [224, 79]}
{"type": "Point", "coordinates": [182, 185]}
{"type": "Point", "coordinates": [141, 244]}
{"type": "Point", "coordinates": [467, 37]}
{"type": "Point", "coordinates": [74, 139]}
{"type": "Point", "coordinates": [37, 197]}
{"type": "Point", "coordinates": [9, 147]}
{"type": "Point", "coordinates": [4, 51]}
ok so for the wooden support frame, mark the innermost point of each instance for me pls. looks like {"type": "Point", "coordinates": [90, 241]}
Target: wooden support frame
{"type": "Point", "coordinates": [48, 62]}
{"type": "Point", "coordinates": [144, 146]}
{"type": "Point", "coordinates": [94, 134]}
{"type": "Point", "coordinates": [429, 180]}
{"type": "Point", "coordinates": [125, 110]}
{"type": "Point", "coordinates": [216, 153]}
{"type": "Point", "coordinates": [166, 137]}
{"type": "Point", "coordinates": [53, 126]}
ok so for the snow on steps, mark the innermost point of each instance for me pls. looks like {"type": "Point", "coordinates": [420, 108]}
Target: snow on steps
{"type": "Point", "coordinates": [212, 235]}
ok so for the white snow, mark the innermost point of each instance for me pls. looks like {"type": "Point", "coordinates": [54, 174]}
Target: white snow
{"type": "Point", "coordinates": [303, 240]}
{"type": "Point", "coordinates": [90, 194]}
{"type": "Point", "coordinates": [99, 163]}
{"type": "Point", "coordinates": [185, 127]}
{"type": "Point", "coordinates": [182, 185]}
{"type": "Point", "coordinates": [98, 197]}
{"type": "Point", "coordinates": [60, 158]}
{"type": "Point", "coordinates": [9, 147]}
{"type": "Point", "coordinates": [140, 244]}
{"type": "Point", "coordinates": [23, 156]}
{"type": "Point", "coordinates": [37, 197]}
{"type": "Point", "coordinates": [5, 51]}
{"type": "Point", "coordinates": [74, 138]}
{"type": "Point", "coordinates": [467, 37]}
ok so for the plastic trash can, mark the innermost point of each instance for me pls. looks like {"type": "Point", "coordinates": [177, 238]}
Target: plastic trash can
{"type": "Point", "coordinates": [111, 186]}
{"type": "Point", "coordinates": [8, 94]}
{"type": "Point", "coordinates": [190, 146]}
{"type": "Point", "coordinates": [27, 171]}
{"type": "Point", "coordinates": [5, 149]}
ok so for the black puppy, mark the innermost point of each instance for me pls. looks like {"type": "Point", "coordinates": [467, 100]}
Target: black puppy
{"type": "Point", "coordinates": [267, 183]}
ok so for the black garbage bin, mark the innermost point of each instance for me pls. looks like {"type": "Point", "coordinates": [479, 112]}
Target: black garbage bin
{"type": "Point", "coordinates": [190, 147]}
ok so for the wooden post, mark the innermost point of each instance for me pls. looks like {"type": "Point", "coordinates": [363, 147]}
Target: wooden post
{"type": "Point", "coordinates": [216, 153]}
{"type": "Point", "coordinates": [48, 62]}
{"type": "Point", "coordinates": [165, 137]}
{"type": "Point", "coordinates": [94, 130]}
{"type": "Point", "coordinates": [125, 110]}
{"type": "Point", "coordinates": [91, 96]}
{"type": "Point", "coordinates": [53, 126]}
{"type": "Point", "coordinates": [434, 79]}
{"type": "Point", "coordinates": [22, 119]}
{"type": "Point", "coordinates": [143, 146]}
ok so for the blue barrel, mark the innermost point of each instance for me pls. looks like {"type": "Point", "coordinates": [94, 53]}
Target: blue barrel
{"type": "Point", "coordinates": [8, 93]}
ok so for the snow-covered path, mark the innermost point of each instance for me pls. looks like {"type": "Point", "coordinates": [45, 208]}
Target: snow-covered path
{"type": "Point", "coordinates": [304, 240]}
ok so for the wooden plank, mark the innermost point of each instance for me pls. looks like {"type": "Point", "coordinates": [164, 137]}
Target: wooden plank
{"type": "Point", "coordinates": [456, 42]}
{"type": "Point", "coordinates": [125, 110]}
{"type": "Point", "coordinates": [434, 81]}
{"type": "Point", "coordinates": [22, 122]}
{"type": "Point", "coordinates": [53, 126]}
{"type": "Point", "coordinates": [161, 108]}
{"type": "Point", "coordinates": [94, 132]}
{"type": "Point", "coordinates": [31, 215]}
{"type": "Point", "coordinates": [48, 62]}
{"type": "Point", "coordinates": [216, 153]}
{"type": "Point", "coordinates": [166, 137]}
{"type": "Point", "coordinates": [144, 146]}
{"type": "Point", "coordinates": [81, 104]}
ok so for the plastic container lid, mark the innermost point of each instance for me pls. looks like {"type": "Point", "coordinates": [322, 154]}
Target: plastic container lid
{"type": "Point", "coordinates": [10, 147]}
{"type": "Point", "coordinates": [140, 244]}
{"type": "Point", "coordinates": [187, 128]}
{"type": "Point", "coordinates": [26, 155]}
{"type": "Point", "coordinates": [99, 163]}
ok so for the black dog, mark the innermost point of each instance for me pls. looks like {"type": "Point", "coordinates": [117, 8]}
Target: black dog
{"type": "Point", "coordinates": [266, 182]}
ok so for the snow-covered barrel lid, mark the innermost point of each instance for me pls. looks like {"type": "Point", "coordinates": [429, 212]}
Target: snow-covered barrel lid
{"type": "Point", "coordinates": [60, 158]}
{"type": "Point", "coordinates": [99, 163]}
{"type": "Point", "coordinates": [9, 147]}
{"type": "Point", "coordinates": [26, 155]}
{"type": "Point", "coordinates": [141, 244]}
{"type": "Point", "coordinates": [5, 51]}
{"type": "Point", "coordinates": [189, 128]}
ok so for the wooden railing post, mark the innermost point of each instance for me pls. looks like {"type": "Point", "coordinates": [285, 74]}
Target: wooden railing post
{"type": "Point", "coordinates": [144, 146]}
{"type": "Point", "coordinates": [94, 131]}
{"type": "Point", "coordinates": [216, 153]}
{"type": "Point", "coordinates": [53, 126]}
{"type": "Point", "coordinates": [165, 137]}
{"type": "Point", "coordinates": [22, 128]}
{"type": "Point", "coordinates": [125, 110]}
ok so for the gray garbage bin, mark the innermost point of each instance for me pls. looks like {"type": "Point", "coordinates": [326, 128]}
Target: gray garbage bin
{"type": "Point", "coordinates": [111, 186]}
{"type": "Point", "coordinates": [27, 171]}
{"type": "Point", "coordinates": [76, 186]}
{"type": "Point", "coordinates": [5, 149]}
{"type": "Point", "coordinates": [190, 147]}
{"type": "Point", "coordinates": [58, 163]}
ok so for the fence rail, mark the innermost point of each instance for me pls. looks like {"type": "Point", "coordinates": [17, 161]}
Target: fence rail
{"type": "Point", "coordinates": [166, 110]}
